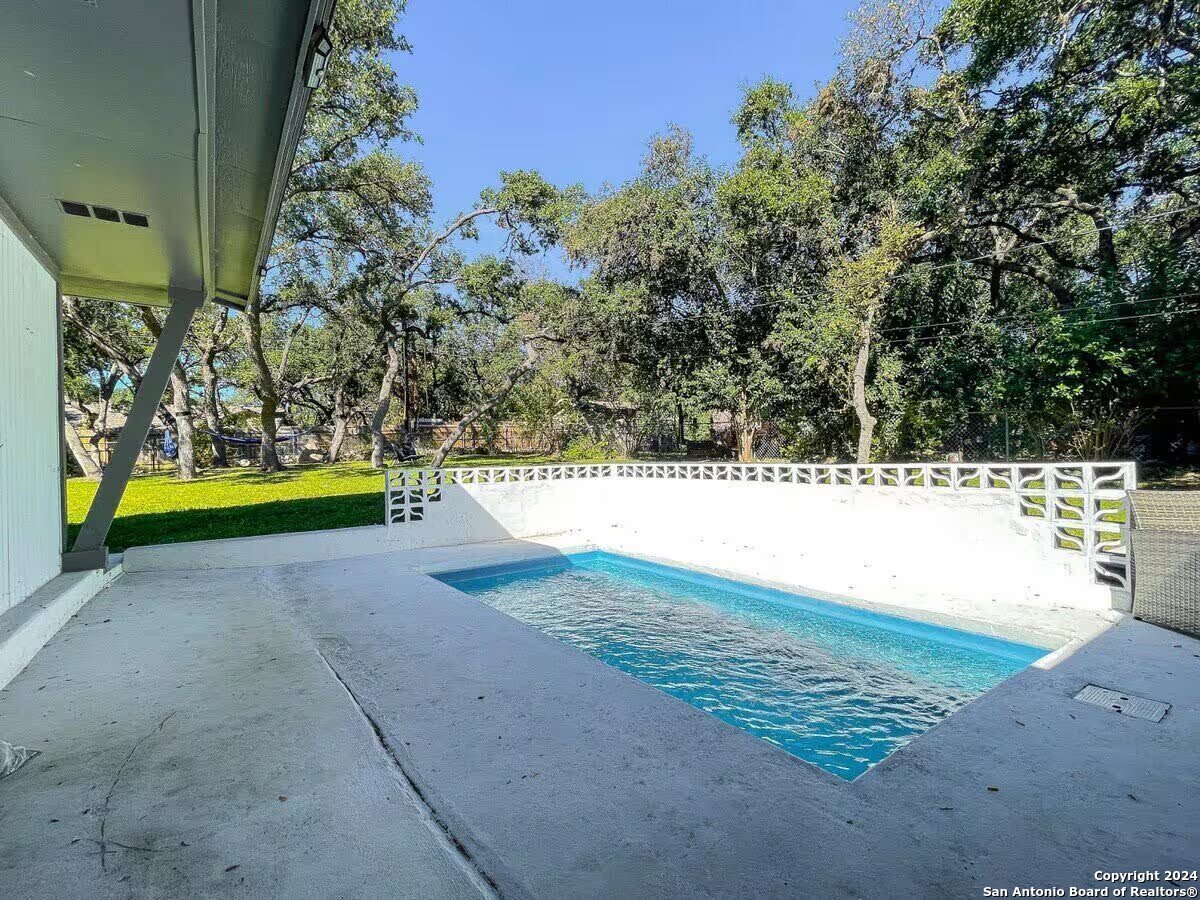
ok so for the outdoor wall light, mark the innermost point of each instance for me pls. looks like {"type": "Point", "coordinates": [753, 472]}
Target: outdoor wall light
{"type": "Point", "coordinates": [320, 49]}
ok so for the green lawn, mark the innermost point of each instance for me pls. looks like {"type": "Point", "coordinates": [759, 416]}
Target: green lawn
{"type": "Point", "coordinates": [159, 509]}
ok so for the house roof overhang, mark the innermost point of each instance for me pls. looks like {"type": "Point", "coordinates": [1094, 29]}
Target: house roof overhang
{"type": "Point", "coordinates": [184, 112]}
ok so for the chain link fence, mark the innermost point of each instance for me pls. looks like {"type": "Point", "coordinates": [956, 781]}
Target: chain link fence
{"type": "Point", "coordinates": [1167, 436]}
{"type": "Point", "coordinates": [1162, 435]}
{"type": "Point", "coordinates": [1159, 435]}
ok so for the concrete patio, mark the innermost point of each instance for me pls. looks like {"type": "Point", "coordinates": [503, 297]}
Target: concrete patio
{"type": "Point", "coordinates": [353, 727]}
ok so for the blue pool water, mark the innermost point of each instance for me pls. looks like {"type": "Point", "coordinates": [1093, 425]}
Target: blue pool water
{"type": "Point", "coordinates": [837, 686]}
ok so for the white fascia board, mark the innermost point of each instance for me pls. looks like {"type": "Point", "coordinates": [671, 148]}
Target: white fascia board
{"type": "Point", "coordinates": [320, 11]}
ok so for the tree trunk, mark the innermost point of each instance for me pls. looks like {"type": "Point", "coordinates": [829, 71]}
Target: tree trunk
{"type": "Point", "coordinates": [995, 288]}
{"type": "Point", "coordinates": [433, 373]}
{"type": "Point", "coordinates": [405, 380]}
{"type": "Point", "coordinates": [212, 416]}
{"type": "Point", "coordinates": [511, 380]}
{"type": "Point", "coordinates": [108, 384]}
{"type": "Point", "coordinates": [181, 407]}
{"type": "Point", "coordinates": [97, 424]}
{"type": "Point", "coordinates": [866, 421]}
{"type": "Point", "coordinates": [268, 390]}
{"type": "Point", "coordinates": [682, 426]}
{"type": "Point", "coordinates": [341, 421]}
{"type": "Point", "coordinates": [210, 400]}
{"type": "Point", "coordinates": [90, 468]}
{"type": "Point", "coordinates": [745, 446]}
{"type": "Point", "coordinates": [338, 438]}
{"type": "Point", "coordinates": [746, 425]}
{"type": "Point", "coordinates": [269, 459]}
{"type": "Point", "coordinates": [386, 386]}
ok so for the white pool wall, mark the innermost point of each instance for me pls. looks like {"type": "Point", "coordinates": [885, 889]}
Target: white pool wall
{"type": "Point", "coordinates": [953, 557]}
{"type": "Point", "coordinates": [922, 549]}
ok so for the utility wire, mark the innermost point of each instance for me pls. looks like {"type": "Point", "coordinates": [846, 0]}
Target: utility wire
{"type": "Point", "coordinates": [1149, 315]}
{"type": "Point", "coordinates": [1025, 317]}
{"type": "Point", "coordinates": [979, 320]}
{"type": "Point", "coordinates": [912, 273]}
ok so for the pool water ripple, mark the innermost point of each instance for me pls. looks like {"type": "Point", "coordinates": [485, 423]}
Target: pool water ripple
{"type": "Point", "coordinates": [840, 688]}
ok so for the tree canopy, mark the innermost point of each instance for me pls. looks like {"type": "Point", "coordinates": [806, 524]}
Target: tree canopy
{"type": "Point", "coordinates": [991, 206]}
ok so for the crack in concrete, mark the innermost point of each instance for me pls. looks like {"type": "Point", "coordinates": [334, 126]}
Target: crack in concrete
{"type": "Point", "coordinates": [104, 845]}
{"type": "Point", "coordinates": [104, 851]}
{"type": "Point", "coordinates": [433, 820]}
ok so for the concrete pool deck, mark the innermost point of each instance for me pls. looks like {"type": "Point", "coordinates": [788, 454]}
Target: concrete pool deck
{"type": "Point", "coordinates": [427, 745]}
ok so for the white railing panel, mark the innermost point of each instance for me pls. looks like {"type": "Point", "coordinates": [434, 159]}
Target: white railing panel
{"type": "Point", "coordinates": [1083, 503]}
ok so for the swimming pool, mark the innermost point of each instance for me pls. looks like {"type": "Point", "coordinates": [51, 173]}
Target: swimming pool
{"type": "Point", "coordinates": [835, 685]}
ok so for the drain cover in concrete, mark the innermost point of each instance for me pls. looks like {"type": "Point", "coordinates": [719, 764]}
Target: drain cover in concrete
{"type": "Point", "coordinates": [1138, 707]}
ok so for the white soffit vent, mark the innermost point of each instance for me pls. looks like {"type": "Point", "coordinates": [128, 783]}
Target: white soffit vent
{"type": "Point", "coordinates": [1126, 704]}
{"type": "Point", "coordinates": [104, 213]}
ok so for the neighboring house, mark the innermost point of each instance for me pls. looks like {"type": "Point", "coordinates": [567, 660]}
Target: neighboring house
{"type": "Point", "coordinates": [100, 431]}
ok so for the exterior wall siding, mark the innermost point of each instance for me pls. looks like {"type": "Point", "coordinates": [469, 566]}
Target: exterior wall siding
{"type": "Point", "coordinates": [30, 462]}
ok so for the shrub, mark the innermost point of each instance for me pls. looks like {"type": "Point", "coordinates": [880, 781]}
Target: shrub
{"type": "Point", "coordinates": [586, 448]}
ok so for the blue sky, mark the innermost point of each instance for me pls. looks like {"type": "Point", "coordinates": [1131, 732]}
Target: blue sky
{"type": "Point", "coordinates": [575, 90]}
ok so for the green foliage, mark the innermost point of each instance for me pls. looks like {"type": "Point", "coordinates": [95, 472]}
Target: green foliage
{"type": "Point", "coordinates": [347, 189]}
{"type": "Point", "coordinates": [586, 448]}
{"type": "Point", "coordinates": [968, 171]}
{"type": "Point", "coordinates": [533, 211]}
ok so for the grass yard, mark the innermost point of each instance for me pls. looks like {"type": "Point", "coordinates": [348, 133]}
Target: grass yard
{"type": "Point", "coordinates": [158, 509]}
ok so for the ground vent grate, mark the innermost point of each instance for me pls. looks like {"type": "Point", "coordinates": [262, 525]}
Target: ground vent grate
{"type": "Point", "coordinates": [1126, 704]}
